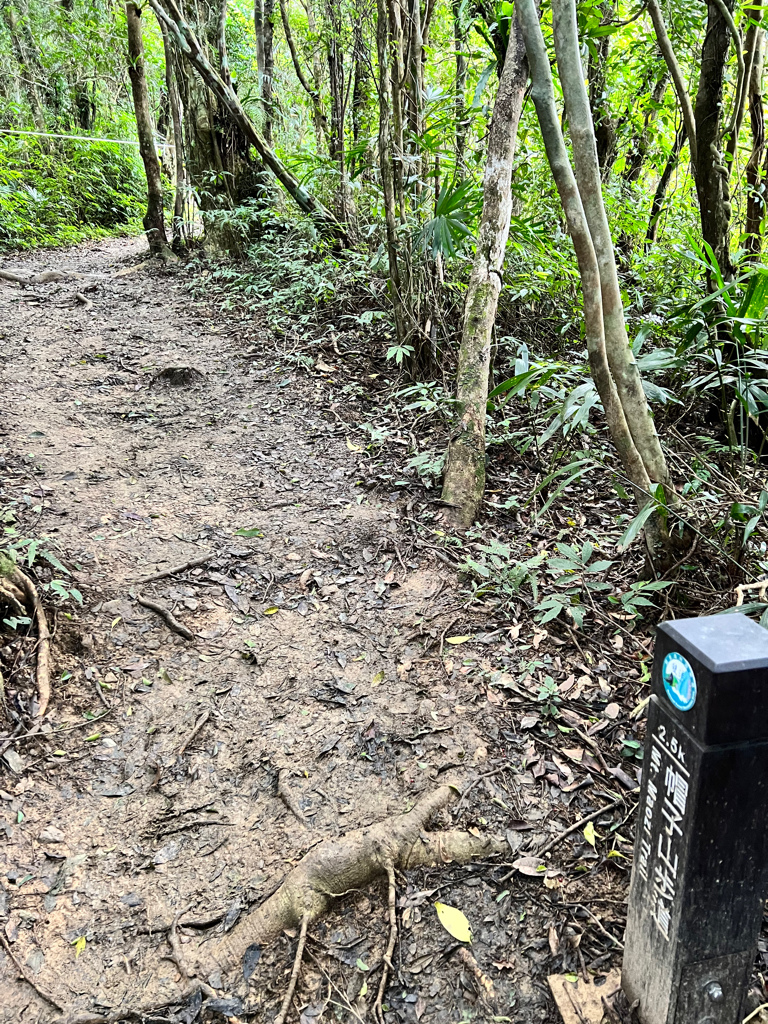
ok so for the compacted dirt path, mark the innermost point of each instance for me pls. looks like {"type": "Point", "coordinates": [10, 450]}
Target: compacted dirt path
{"type": "Point", "coordinates": [145, 431]}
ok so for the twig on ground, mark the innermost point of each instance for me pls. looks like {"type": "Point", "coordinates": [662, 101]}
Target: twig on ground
{"type": "Point", "coordinates": [166, 614]}
{"type": "Point", "coordinates": [286, 795]}
{"type": "Point", "coordinates": [193, 563]}
{"type": "Point", "coordinates": [580, 823]}
{"type": "Point", "coordinates": [198, 726]}
{"type": "Point", "coordinates": [33, 984]}
{"type": "Point", "coordinates": [280, 1018]}
{"type": "Point", "coordinates": [83, 300]}
{"type": "Point", "coordinates": [378, 1011]}
{"type": "Point", "coordinates": [600, 925]}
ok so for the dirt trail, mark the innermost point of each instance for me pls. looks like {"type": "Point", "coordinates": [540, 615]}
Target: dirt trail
{"type": "Point", "coordinates": [308, 655]}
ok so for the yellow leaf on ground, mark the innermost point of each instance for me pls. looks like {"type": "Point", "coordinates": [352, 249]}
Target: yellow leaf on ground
{"type": "Point", "coordinates": [589, 833]}
{"type": "Point", "coordinates": [271, 611]}
{"type": "Point", "coordinates": [457, 639]}
{"type": "Point", "coordinates": [454, 922]}
{"type": "Point", "coordinates": [79, 946]}
{"type": "Point", "coordinates": [354, 447]}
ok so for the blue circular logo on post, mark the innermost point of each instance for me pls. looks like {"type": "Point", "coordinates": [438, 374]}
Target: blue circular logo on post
{"type": "Point", "coordinates": [679, 681]}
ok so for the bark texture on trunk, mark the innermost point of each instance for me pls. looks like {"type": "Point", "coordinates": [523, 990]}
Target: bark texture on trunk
{"type": "Point", "coordinates": [464, 480]}
{"type": "Point", "coordinates": [657, 204]}
{"type": "Point", "coordinates": [597, 74]}
{"type": "Point", "coordinates": [675, 73]}
{"type": "Point", "coordinates": [268, 76]}
{"type": "Point", "coordinates": [620, 356]}
{"type": "Point", "coordinates": [460, 86]}
{"type": "Point", "coordinates": [711, 169]}
{"type": "Point", "coordinates": [387, 164]}
{"type": "Point", "coordinates": [154, 220]}
{"type": "Point", "coordinates": [178, 233]}
{"type": "Point", "coordinates": [543, 95]}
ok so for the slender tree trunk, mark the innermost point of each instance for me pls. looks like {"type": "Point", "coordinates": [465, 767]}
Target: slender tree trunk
{"type": "Point", "coordinates": [464, 481]}
{"type": "Point", "coordinates": [336, 84]}
{"type": "Point", "coordinates": [190, 46]}
{"type": "Point", "coordinates": [386, 162]}
{"type": "Point", "coordinates": [258, 30]}
{"type": "Point", "coordinates": [396, 80]}
{"type": "Point", "coordinates": [358, 85]}
{"type": "Point", "coordinates": [174, 102]}
{"type": "Point", "coordinates": [660, 194]}
{"type": "Point", "coordinates": [597, 74]}
{"type": "Point", "coordinates": [543, 95]}
{"type": "Point", "coordinates": [620, 357]}
{"type": "Point", "coordinates": [321, 125]}
{"type": "Point", "coordinates": [460, 87]}
{"type": "Point", "coordinates": [711, 169]}
{"type": "Point", "coordinates": [638, 148]}
{"type": "Point", "coordinates": [756, 183]}
{"type": "Point", "coordinates": [676, 74]}
{"type": "Point", "coordinates": [268, 78]}
{"type": "Point", "coordinates": [154, 222]}
{"type": "Point", "coordinates": [415, 73]}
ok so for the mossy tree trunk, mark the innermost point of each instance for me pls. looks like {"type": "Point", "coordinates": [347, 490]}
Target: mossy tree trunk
{"type": "Point", "coordinates": [464, 480]}
{"type": "Point", "coordinates": [154, 220]}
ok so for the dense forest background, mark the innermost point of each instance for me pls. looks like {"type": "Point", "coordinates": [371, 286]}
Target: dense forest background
{"type": "Point", "coordinates": [339, 166]}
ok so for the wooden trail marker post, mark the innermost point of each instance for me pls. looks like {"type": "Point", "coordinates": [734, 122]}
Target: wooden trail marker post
{"type": "Point", "coordinates": [700, 875]}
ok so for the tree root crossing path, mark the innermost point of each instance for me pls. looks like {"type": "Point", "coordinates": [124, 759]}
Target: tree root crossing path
{"type": "Point", "coordinates": [261, 764]}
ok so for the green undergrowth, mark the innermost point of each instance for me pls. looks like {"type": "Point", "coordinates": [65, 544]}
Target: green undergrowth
{"type": "Point", "coordinates": [61, 191]}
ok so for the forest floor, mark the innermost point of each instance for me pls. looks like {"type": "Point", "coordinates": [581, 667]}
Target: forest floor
{"type": "Point", "coordinates": [329, 644]}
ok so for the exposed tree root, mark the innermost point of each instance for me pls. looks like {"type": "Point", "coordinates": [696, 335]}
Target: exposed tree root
{"type": "Point", "coordinates": [15, 584]}
{"type": "Point", "coordinates": [330, 870]}
{"type": "Point", "coordinates": [46, 277]}
{"type": "Point", "coordinates": [280, 1018]}
{"type": "Point", "coordinates": [378, 1010]}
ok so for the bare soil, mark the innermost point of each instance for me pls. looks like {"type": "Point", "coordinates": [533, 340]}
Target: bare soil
{"type": "Point", "coordinates": [150, 430]}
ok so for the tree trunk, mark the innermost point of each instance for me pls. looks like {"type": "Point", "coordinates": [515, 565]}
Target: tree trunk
{"type": "Point", "coordinates": [174, 103]}
{"type": "Point", "coordinates": [638, 148]}
{"type": "Point", "coordinates": [415, 89]}
{"type": "Point", "coordinates": [321, 125]}
{"type": "Point", "coordinates": [620, 357]}
{"type": "Point", "coordinates": [190, 46]}
{"type": "Point", "coordinates": [338, 104]}
{"type": "Point", "coordinates": [359, 90]}
{"type": "Point", "coordinates": [460, 87]}
{"type": "Point", "coordinates": [756, 182]}
{"type": "Point", "coordinates": [464, 481]}
{"type": "Point", "coordinates": [396, 80]}
{"type": "Point", "coordinates": [386, 163]}
{"type": "Point", "coordinates": [597, 74]}
{"type": "Point", "coordinates": [154, 222]}
{"type": "Point", "coordinates": [543, 95]}
{"type": "Point", "coordinates": [268, 78]}
{"type": "Point", "coordinates": [258, 30]}
{"type": "Point", "coordinates": [711, 170]}
{"type": "Point", "coordinates": [661, 188]}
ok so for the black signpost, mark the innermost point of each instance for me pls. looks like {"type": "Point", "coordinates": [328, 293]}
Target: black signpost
{"type": "Point", "coordinates": [700, 875]}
